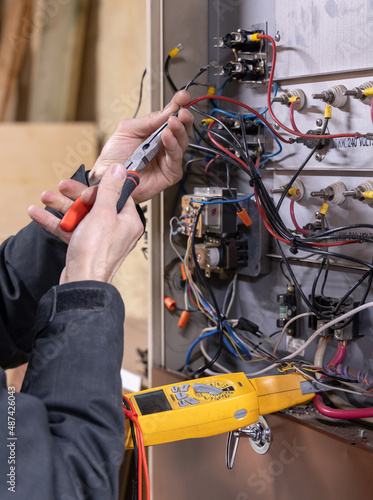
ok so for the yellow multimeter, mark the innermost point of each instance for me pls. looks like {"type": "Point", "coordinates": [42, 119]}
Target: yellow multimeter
{"type": "Point", "coordinates": [212, 405]}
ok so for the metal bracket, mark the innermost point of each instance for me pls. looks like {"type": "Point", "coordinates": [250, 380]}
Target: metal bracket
{"type": "Point", "coordinates": [259, 435]}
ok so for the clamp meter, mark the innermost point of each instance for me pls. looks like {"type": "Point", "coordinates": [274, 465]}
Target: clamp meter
{"type": "Point", "coordinates": [212, 405]}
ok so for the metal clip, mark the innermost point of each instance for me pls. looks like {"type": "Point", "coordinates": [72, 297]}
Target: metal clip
{"type": "Point", "coordinates": [259, 435]}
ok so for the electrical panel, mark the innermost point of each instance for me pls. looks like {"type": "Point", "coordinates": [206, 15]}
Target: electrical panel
{"type": "Point", "coordinates": [268, 239]}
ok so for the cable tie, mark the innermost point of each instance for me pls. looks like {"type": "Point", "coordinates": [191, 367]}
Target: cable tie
{"type": "Point", "coordinates": [293, 246]}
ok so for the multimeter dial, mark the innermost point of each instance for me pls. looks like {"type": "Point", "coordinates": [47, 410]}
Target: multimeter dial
{"type": "Point", "coordinates": [214, 391]}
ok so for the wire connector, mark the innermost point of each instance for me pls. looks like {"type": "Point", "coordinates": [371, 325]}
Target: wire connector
{"type": "Point", "coordinates": [254, 37]}
{"type": "Point", "coordinates": [328, 112]}
{"type": "Point", "coordinates": [324, 209]}
{"type": "Point", "coordinates": [174, 52]}
{"type": "Point", "coordinates": [244, 216]}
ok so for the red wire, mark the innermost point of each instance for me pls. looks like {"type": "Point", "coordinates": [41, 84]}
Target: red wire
{"type": "Point", "coordinates": [341, 414]}
{"type": "Point", "coordinates": [292, 215]}
{"type": "Point", "coordinates": [132, 415]}
{"type": "Point", "coordinates": [292, 121]}
{"type": "Point", "coordinates": [269, 104]}
{"type": "Point", "coordinates": [219, 181]}
{"type": "Point", "coordinates": [242, 105]}
{"type": "Point", "coordinates": [371, 109]}
{"type": "Point", "coordinates": [226, 151]}
{"type": "Point", "coordinates": [338, 357]}
{"type": "Point", "coordinates": [260, 209]}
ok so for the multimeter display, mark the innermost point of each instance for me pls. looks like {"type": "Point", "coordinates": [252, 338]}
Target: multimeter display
{"type": "Point", "coordinates": [152, 402]}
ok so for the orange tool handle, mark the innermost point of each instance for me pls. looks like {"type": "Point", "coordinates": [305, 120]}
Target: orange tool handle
{"type": "Point", "coordinates": [79, 210]}
{"type": "Point", "coordinates": [74, 215]}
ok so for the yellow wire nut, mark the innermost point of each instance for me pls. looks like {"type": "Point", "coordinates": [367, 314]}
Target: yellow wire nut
{"type": "Point", "coordinates": [211, 91]}
{"type": "Point", "coordinates": [254, 37]}
{"type": "Point", "coordinates": [328, 112]}
{"type": "Point", "coordinates": [174, 52]}
{"type": "Point", "coordinates": [368, 194]}
{"type": "Point", "coordinates": [324, 209]}
{"type": "Point", "coordinates": [368, 91]}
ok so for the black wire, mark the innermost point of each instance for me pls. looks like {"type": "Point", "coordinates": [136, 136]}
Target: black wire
{"type": "Point", "coordinates": [222, 124]}
{"type": "Point", "coordinates": [167, 73]}
{"type": "Point", "coordinates": [140, 95]}
{"type": "Point", "coordinates": [313, 151]}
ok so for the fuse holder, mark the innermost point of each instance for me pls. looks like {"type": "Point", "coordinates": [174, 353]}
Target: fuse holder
{"type": "Point", "coordinates": [169, 303]}
{"type": "Point", "coordinates": [184, 318]}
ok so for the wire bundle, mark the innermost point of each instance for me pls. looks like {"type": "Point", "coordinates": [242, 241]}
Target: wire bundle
{"type": "Point", "coordinates": [139, 450]}
{"type": "Point", "coordinates": [223, 145]}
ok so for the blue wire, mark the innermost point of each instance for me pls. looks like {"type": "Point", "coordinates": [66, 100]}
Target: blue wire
{"type": "Point", "coordinates": [236, 339]}
{"type": "Point", "coordinates": [276, 140]}
{"type": "Point", "coordinates": [208, 334]}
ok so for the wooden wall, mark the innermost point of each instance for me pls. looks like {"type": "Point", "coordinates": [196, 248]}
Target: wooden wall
{"type": "Point", "coordinates": [69, 71]}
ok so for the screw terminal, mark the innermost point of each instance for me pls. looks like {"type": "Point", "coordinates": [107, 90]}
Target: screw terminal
{"type": "Point", "coordinates": [362, 193]}
{"type": "Point", "coordinates": [296, 190]}
{"type": "Point", "coordinates": [335, 96]}
{"type": "Point", "coordinates": [362, 92]}
{"type": "Point", "coordinates": [288, 97]}
{"type": "Point", "coordinates": [333, 193]}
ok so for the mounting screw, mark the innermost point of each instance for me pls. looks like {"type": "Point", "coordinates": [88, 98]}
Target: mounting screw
{"type": "Point", "coordinates": [319, 122]}
{"type": "Point", "coordinates": [277, 36]}
{"type": "Point", "coordinates": [319, 157]}
{"type": "Point", "coordinates": [276, 127]}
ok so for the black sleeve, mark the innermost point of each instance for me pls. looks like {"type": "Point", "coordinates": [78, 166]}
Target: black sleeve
{"type": "Point", "coordinates": [30, 264]}
{"type": "Point", "coordinates": [69, 417]}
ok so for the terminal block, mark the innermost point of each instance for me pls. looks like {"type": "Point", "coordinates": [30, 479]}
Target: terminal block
{"type": "Point", "coordinates": [245, 70]}
{"type": "Point", "coordinates": [339, 331]}
{"type": "Point", "coordinates": [242, 40]}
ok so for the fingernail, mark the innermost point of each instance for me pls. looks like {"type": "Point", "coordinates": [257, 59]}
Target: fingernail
{"type": "Point", "coordinates": [118, 171]}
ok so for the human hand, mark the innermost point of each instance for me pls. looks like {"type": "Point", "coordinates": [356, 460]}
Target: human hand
{"type": "Point", "coordinates": [166, 167]}
{"type": "Point", "coordinates": [69, 191]}
{"type": "Point", "coordinates": [104, 238]}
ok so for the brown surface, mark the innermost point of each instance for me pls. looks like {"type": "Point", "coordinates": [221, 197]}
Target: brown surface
{"type": "Point", "coordinates": [34, 158]}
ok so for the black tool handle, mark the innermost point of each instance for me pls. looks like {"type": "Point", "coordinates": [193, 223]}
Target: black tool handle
{"type": "Point", "coordinates": [131, 182]}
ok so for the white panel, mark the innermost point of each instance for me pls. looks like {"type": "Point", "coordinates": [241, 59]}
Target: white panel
{"type": "Point", "coordinates": [310, 28]}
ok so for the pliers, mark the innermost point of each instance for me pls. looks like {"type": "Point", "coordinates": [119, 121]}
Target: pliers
{"type": "Point", "coordinates": [135, 163]}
